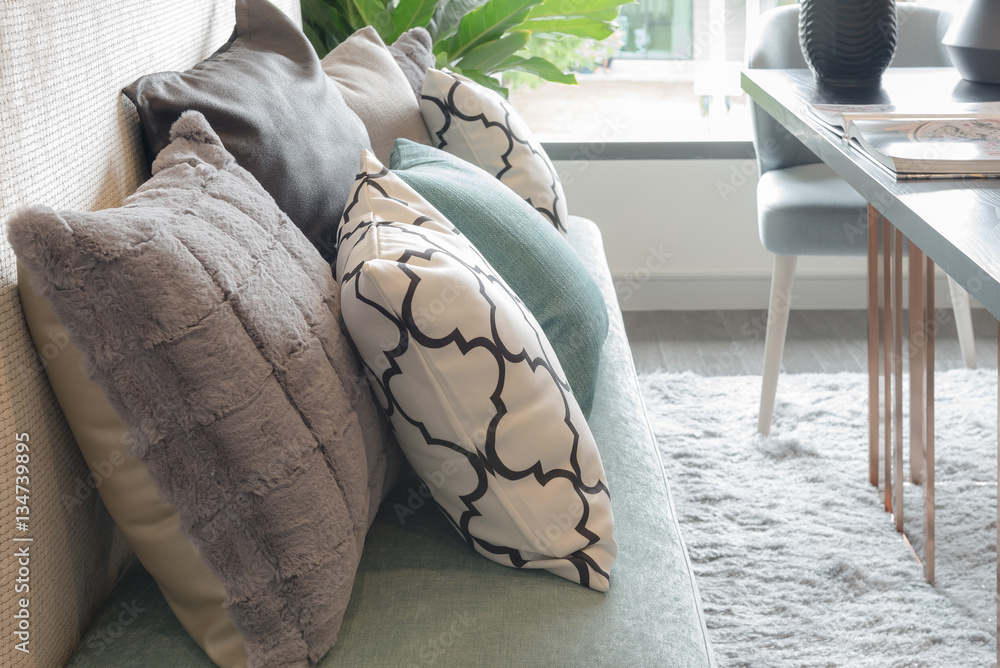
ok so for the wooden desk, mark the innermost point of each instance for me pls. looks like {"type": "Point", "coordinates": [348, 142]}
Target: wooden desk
{"type": "Point", "coordinates": [952, 223]}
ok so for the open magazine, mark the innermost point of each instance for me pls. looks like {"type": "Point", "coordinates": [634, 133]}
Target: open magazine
{"type": "Point", "coordinates": [837, 117]}
{"type": "Point", "coordinates": [931, 147]}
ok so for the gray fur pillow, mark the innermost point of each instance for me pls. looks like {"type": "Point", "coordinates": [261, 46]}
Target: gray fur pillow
{"type": "Point", "coordinates": [214, 327]}
{"type": "Point", "coordinates": [413, 53]}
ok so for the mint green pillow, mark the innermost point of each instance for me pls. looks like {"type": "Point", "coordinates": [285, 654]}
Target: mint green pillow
{"type": "Point", "coordinates": [524, 248]}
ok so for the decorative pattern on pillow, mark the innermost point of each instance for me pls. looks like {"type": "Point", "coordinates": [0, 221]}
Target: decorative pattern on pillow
{"type": "Point", "coordinates": [213, 326]}
{"type": "Point", "coordinates": [475, 394]}
{"type": "Point", "coordinates": [276, 111]}
{"type": "Point", "coordinates": [478, 125]}
{"type": "Point", "coordinates": [534, 260]}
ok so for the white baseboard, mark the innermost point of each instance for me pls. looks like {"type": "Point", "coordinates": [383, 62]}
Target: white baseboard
{"type": "Point", "coordinates": [708, 292]}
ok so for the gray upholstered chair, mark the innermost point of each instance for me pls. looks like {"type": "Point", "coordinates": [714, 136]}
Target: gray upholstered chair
{"type": "Point", "coordinates": [803, 207]}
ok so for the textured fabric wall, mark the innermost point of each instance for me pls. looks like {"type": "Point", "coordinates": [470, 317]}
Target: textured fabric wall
{"type": "Point", "coordinates": [70, 140]}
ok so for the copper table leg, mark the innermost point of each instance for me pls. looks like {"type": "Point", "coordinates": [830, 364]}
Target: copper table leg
{"type": "Point", "coordinates": [873, 330]}
{"type": "Point", "coordinates": [897, 377]}
{"type": "Point", "coordinates": [886, 280]}
{"type": "Point", "coordinates": [916, 360]}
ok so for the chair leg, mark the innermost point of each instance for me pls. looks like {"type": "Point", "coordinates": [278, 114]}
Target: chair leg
{"type": "Point", "coordinates": [963, 322]}
{"type": "Point", "coordinates": [774, 340]}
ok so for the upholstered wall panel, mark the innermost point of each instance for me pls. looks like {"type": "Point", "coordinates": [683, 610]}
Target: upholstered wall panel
{"type": "Point", "coordinates": [70, 140]}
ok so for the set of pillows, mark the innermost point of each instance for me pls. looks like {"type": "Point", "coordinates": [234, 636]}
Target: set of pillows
{"type": "Point", "coordinates": [212, 326]}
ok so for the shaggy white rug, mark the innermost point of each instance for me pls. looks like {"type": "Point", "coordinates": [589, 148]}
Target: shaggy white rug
{"type": "Point", "coordinates": [797, 562]}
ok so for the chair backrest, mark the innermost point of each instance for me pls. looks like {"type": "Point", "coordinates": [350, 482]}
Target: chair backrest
{"type": "Point", "coordinates": [918, 44]}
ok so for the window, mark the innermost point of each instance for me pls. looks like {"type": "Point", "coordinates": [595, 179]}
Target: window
{"type": "Point", "coordinates": [670, 73]}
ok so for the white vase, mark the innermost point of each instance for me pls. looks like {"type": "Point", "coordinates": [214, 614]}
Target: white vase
{"type": "Point", "coordinates": [973, 41]}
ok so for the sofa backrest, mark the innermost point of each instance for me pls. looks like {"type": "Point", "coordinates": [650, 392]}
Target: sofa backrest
{"type": "Point", "coordinates": [69, 140]}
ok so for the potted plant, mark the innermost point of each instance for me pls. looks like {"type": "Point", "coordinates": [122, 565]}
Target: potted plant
{"type": "Point", "coordinates": [476, 38]}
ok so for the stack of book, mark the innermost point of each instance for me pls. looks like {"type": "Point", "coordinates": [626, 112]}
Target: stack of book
{"type": "Point", "coordinates": [952, 141]}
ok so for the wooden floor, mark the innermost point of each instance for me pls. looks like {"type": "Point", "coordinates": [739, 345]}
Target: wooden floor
{"type": "Point", "coordinates": [731, 343]}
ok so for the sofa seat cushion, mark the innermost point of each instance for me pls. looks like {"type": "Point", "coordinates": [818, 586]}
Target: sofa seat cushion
{"type": "Point", "coordinates": [422, 597]}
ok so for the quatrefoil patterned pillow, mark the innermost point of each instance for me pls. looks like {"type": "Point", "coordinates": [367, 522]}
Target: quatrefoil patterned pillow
{"type": "Point", "coordinates": [476, 124]}
{"type": "Point", "coordinates": [474, 391]}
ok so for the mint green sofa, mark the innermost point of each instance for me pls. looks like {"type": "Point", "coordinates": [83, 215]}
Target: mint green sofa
{"type": "Point", "coordinates": [422, 597]}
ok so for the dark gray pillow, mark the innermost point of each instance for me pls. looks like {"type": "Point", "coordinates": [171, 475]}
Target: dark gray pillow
{"type": "Point", "coordinates": [275, 110]}
{"type": "Point", "coordinates": [214, 328]}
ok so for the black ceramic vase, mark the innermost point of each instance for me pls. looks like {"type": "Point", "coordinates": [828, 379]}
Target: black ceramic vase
{"type": "Point", "coordinates": [848, 42]}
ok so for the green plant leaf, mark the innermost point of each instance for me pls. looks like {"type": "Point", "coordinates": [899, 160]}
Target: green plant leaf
{"type": "Point", "coordinates": [607, 15]}
{"type": "Point", "coordinates": [589, 8]}
{"type": "Point", "coordinates": [325, 24]}
{"type": "Point", "coordinates": [410, 14]}
{"type": "Point", "coordinates": [487, 23]}
{"type": "Point", "coordinates": [352, 15]}
{"type": "Point", "coordinates": [448, 15]}
{"type": "Point", "coordinates": [540, 68]}
{"type": "Point", "coordinates": [318, 42]}
{"type": "Point", "coordinates": [579, 27]}
{"type": "Point", "coordinates": [487, 56]}
{"type": "Point", "coordinates": [371, 13]}
{"type": "Point", "coordinates": [484, 80]}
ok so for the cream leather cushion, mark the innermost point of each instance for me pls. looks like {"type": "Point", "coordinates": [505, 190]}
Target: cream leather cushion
{"type": "Point", "coordinates": [151, 525]}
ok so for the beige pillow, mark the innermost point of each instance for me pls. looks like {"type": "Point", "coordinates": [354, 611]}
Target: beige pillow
{"type": "Point", "coordinates": [375, 88]}
{"type": "Point", "coordinates": [150, 524]}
